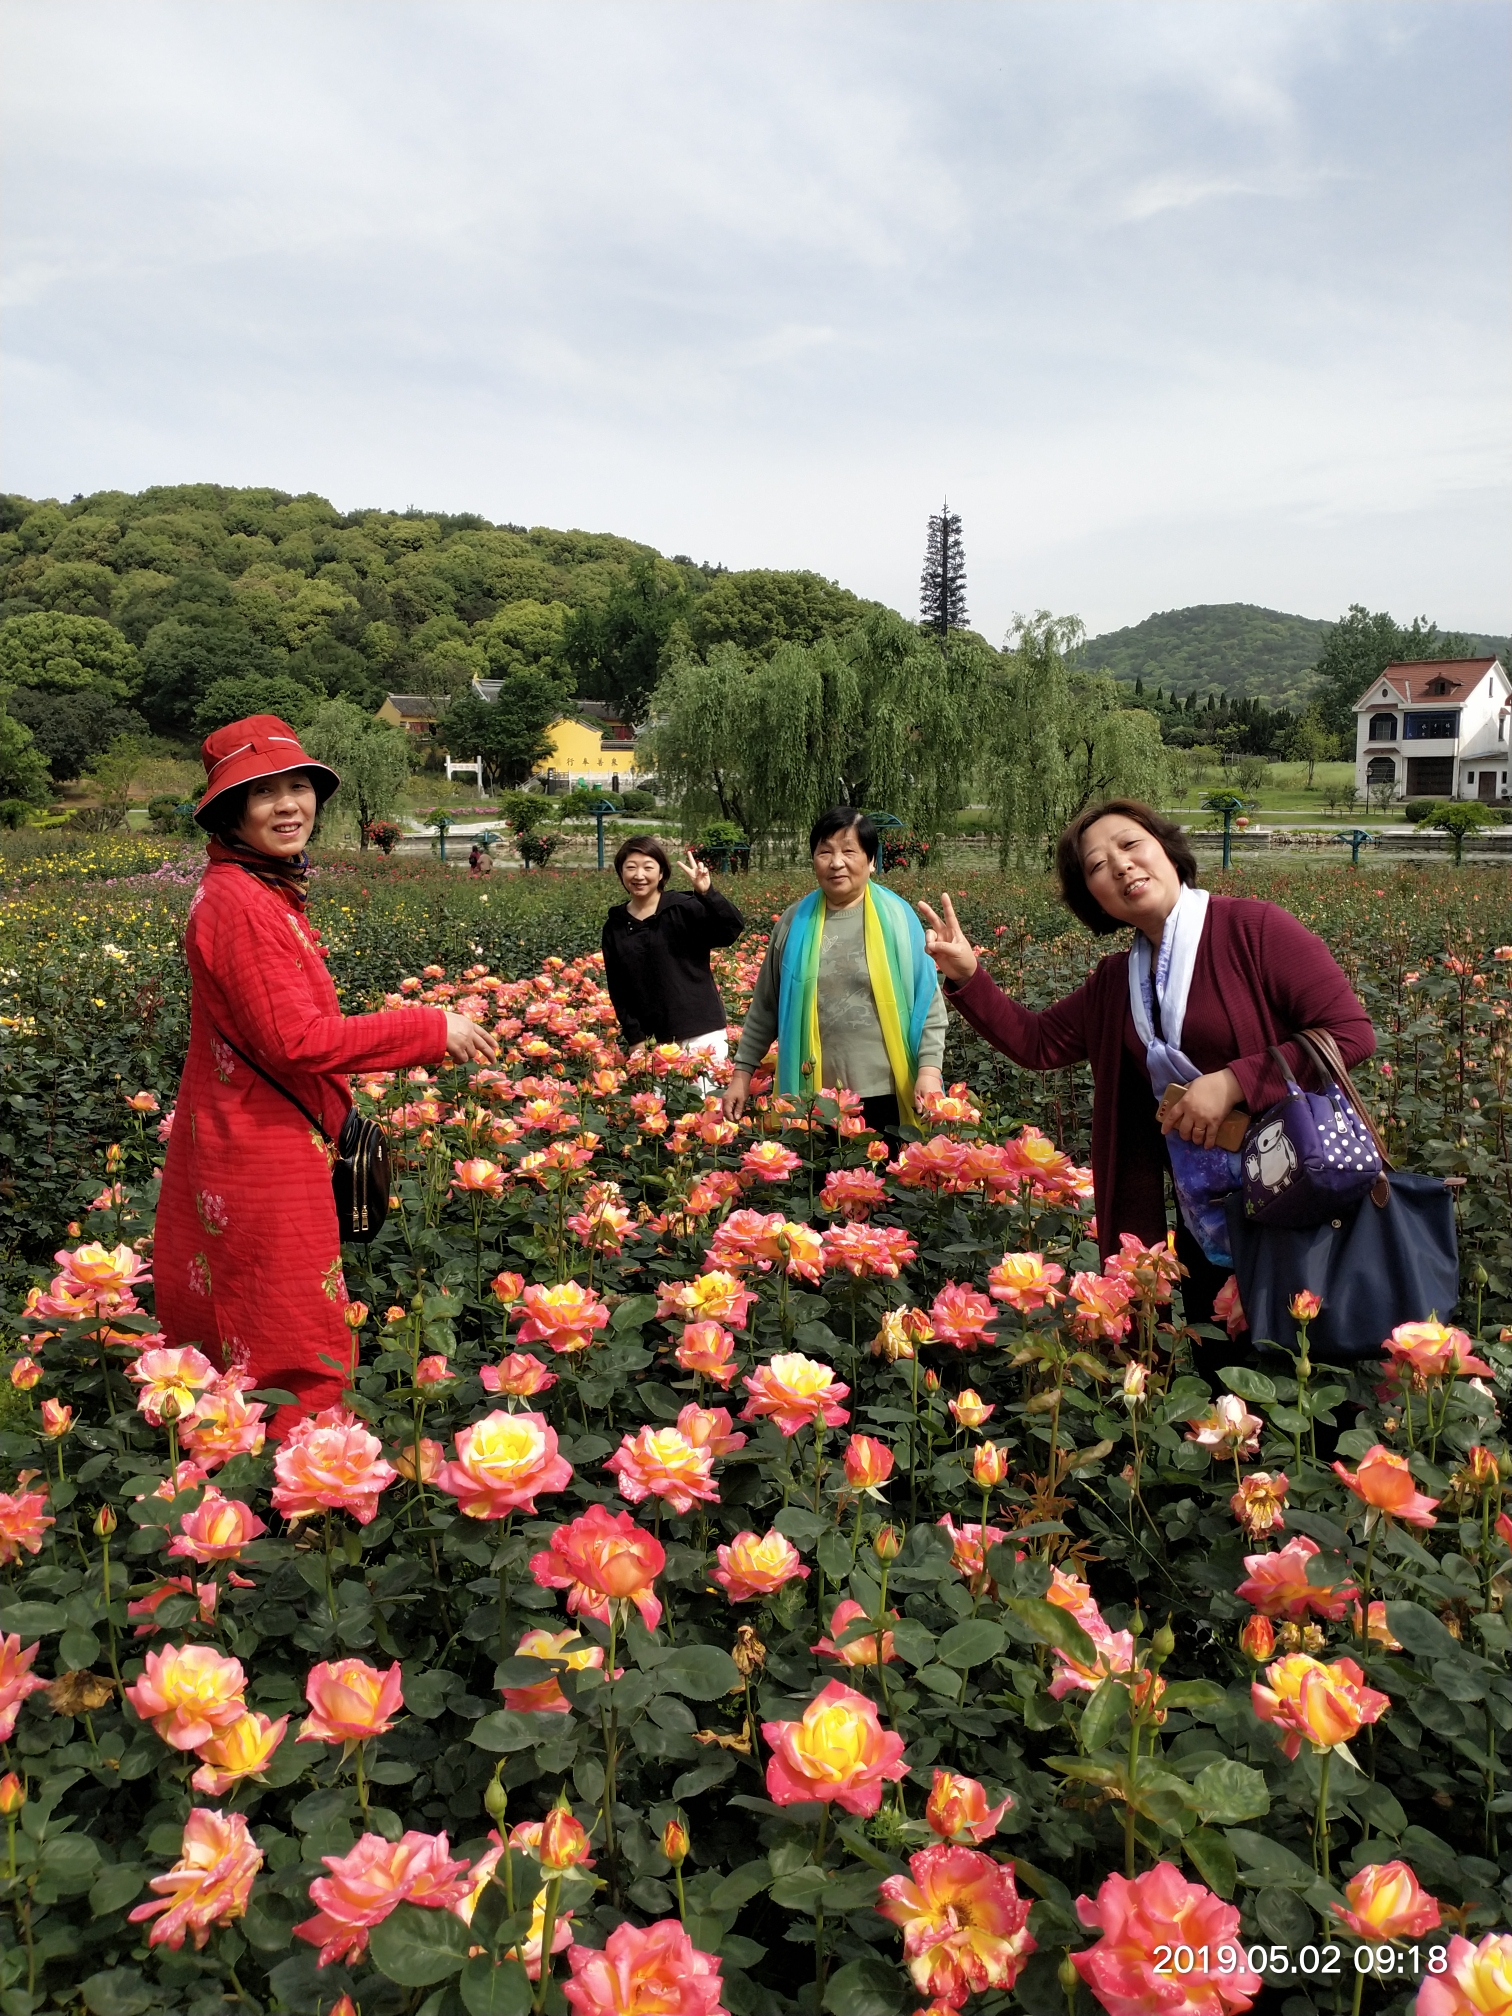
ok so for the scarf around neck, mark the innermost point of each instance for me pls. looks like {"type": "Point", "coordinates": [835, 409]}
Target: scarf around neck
{"type": "Point", "coordinates": [1203, 1177]}
{"type": "Point", "coordinates": [292, 877]}
{"type": "Point", "coordinates": [903, 981]}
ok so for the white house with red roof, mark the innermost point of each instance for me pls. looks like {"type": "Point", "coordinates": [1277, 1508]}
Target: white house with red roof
{"type": "Point", "coordinates": [1436, 728]}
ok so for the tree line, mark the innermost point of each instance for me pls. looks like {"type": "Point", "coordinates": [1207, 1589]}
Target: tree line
{"type": "Point", "coordinates": [763, 694]}
{"type": "Point", "coordinates": [171, 611]}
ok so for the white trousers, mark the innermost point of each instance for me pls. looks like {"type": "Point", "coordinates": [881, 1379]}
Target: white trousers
{"type": "Point", "coordinates": [716, 1047]}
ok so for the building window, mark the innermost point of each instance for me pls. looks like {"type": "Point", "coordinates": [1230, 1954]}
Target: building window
{"type": "Point", "coordinates": [1380, 770]}
{"type": "Point", "coordinates": [1431, 727]}
{"type": "Point", "coordinates": [1383, 727]}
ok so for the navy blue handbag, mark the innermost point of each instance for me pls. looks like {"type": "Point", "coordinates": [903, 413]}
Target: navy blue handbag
{"type": "Point", "coordinates": [1392, 1259]}
{"type": "Point", "coordinates": [1312, 1154]}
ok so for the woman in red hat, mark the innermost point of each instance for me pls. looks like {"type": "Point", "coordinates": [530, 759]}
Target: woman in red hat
{"type": "Point", "coordinates": [247, 1255]}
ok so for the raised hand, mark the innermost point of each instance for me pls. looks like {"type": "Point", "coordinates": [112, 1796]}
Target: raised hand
{"type": "Point", "coordinates": [698, 873]}
{"type": "Point", "coordinates": [946, 943]}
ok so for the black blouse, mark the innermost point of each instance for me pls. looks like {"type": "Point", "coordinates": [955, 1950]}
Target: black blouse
{"type": "Point", "coordinates": [657, 967]}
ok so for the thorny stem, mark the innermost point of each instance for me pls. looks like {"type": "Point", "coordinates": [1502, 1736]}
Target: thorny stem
{"type": "Point", "coordinates": [362, 1797]}
{"type": "Point", "coordinates": [1320, 1826]}
{"type": "Point", "coordinates": [504, 1589]}
{"type": "Point", "coordinates": [609, 1724]}
{"type": "Point", "coordinates": [1490, 1817]}
{"type": "Point", "coordinates": [881, 1631]}
{"type": "Point", "coordinates": [23, 1913]}
{"type": "Point", "coordinates": [976, 1595]}
{"type": "Point", "coordinates": [913, 1467]}
{"type": "Point", "coordinates": [548, 1931]}
{"type": "Point", "coordinates": [1370, 1536]}
{"type": "Point", "coordinates": [821, 1963]}
{"type": "Point", "coordinates": [105, 1367]}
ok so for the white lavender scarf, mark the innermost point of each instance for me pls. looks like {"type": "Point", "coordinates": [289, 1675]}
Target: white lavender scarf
{"type": "Point", "coordinates": [1203, 1176]}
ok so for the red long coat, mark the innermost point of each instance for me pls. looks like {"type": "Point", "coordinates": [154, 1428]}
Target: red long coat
{"type": "Point", "coordinates": [247, 1258]}
{"type": "Point", "coordinates": [1260, 976]}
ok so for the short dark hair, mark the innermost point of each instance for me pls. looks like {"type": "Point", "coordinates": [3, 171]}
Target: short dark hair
{"type": "Point", "coordinates": [226, 811]}
{"type": "Point", "coordinates": [1068, 864]}
{"type": "Point", "coordinates": [840, 819]}
{"type": "Point", "coordinates": [651, 847]}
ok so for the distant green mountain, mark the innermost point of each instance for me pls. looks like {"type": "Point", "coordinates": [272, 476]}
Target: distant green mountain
{"type": "Point", "coordinates": [1231, 647]}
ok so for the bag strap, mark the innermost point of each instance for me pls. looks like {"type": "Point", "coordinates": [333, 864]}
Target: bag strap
{"type": "Point", "coordinates": [268, 1079]}
{"type": "Point", "coordinates": [1283, 1067]}
{"type": "Point", "coordinates": [1328, 1061]}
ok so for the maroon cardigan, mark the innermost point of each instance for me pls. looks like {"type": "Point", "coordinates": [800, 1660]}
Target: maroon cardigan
{"type": "Point", "coordinates": [1260, 976]}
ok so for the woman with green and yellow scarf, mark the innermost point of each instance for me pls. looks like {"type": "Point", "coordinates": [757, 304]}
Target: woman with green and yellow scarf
{"type": "Point", "coordinates": [847, 989]}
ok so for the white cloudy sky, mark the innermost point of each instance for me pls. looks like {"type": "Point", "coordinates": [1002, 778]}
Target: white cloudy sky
{"type": "Point", "coordinates": [1180, 303]}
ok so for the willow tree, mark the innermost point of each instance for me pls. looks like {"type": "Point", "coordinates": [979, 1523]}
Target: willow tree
{"type": "Point", "coordinates": [1060, 739]}
{"type": "Point", "coordinates": [879, 718]}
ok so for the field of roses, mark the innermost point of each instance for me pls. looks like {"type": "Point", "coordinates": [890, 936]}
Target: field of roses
{"type": "Point", "coordinates": [748, 1572]}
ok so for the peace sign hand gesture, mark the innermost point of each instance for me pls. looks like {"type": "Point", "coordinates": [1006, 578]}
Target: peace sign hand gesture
{"type": "Point", "coordinates": [947, 944]}
{"type": "Point", "coordinates": [698, 874]}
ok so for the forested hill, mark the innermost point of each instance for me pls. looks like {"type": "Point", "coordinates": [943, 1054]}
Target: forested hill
{"type": "Point", "coordinates": [152, 598]}
{"type": "Point", "coordinates": [1233, 647]}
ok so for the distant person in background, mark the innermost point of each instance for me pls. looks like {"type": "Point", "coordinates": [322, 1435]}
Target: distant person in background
{"type": "Point", "coordinates": [656, 950]}
{"type": "Point", "coordinates": [847, 989]}
{"type": "Point", "coordinates": [475, 859]}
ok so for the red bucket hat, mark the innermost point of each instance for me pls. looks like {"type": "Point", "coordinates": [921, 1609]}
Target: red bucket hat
{"type": "Point", "coordinates": [259, 746]}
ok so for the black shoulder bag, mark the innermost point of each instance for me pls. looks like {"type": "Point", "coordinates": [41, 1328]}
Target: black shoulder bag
{"type": "Point", "coordinates": [1390, 1258]}
{"type": "Point", "coordinates": [360, 1173]}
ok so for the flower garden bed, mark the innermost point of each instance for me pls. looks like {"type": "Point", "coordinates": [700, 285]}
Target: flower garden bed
{"type": "Point", "coordinates": [764, 1577]}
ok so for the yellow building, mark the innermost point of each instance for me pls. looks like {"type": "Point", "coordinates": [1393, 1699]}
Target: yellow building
{"type": "Point", "coordinates": [576, 749]}
{"type": "Point", "coordinates": [415, 713]}
{"type": "Point", "coordinates": [589, 747]}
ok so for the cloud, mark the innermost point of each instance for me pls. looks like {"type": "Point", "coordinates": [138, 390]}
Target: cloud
{"type": "Point", "coordinates": [762, 281]}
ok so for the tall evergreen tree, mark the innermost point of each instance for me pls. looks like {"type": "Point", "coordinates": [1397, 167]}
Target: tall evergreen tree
{"type": "Point", "coordinates": [942, 591]}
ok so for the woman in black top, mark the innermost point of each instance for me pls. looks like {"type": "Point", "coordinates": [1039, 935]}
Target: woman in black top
{"type": "Point", "coordinates": [656, 951]}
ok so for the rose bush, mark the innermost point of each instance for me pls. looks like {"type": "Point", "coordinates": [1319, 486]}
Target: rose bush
{"type": "Point", "coordinates": [659, 1625]}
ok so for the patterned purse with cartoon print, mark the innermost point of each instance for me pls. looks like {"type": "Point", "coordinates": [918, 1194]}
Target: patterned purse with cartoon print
{"type": "Point", "coordinates": [1313, 1154]}
{"type": "Point", "coordinates": [360, 1171]}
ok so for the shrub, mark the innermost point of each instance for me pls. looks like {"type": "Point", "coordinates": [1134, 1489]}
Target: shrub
{"type": "Point", "coordinates": [723, 847]}
{"type": "Point", "coordinates": [173, 815]}
{"type": "Point", "coordinates": [536, 849]}
{"type": "Point", "coordinates": [524, 811]}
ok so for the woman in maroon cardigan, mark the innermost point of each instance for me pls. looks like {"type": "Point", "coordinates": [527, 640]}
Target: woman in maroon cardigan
{"type": "Point", "coordinates": [1256, 977]}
